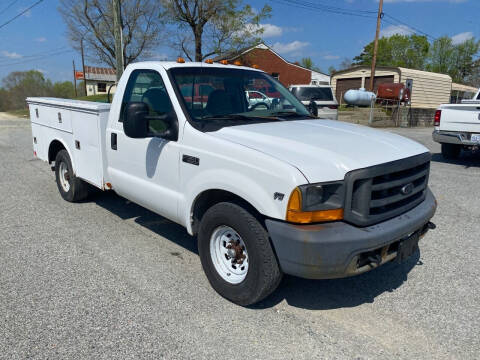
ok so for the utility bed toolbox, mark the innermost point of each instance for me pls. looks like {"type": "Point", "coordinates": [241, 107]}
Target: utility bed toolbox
{"type": "Point", "coordinates": [79, 126]}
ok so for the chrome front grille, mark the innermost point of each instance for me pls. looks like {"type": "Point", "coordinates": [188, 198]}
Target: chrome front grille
{"type": "Point", "coordinates": [383, 191]}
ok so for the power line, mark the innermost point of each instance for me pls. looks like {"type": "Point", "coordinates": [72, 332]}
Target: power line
{"type": "Point", "coordinates": [8, 6]}
{"type": "Point", "coordinates": [322, 7]}
{"type": "Point", "coordinates": [416, 30]}
{"type": "Point", "coordinates": [43, 53]}
{"type": "Point", "coordinates": [20, 14]}
{"type": "Point", "coordinates": [36, 58]}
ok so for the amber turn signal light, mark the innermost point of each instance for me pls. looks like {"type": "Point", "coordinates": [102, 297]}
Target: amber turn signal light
{"type": "Point", "coordinates": [296, 215]}
{"type": "Point", "coordinates": [209, 61]}
{"type": "Point", "coordinates": [180, 60]}
{"type": "Point", "coordinates": [224, 62]}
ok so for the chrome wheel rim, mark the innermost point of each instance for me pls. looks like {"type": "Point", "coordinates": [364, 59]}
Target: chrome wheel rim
{"type": "Point", "coordinates": [229, 254]}
{"type": "Point", "coordinates": [64, 177]}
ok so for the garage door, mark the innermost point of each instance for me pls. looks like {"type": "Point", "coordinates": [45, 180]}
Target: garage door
{"type": "Point", "coordinates": [343, 85]}
{"type": "Point", "coordinates": [379, 80]}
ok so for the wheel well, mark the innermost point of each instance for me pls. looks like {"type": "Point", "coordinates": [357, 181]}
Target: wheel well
{"type": "Point", "coordinates": [208, 198]}
{"type": "Point", "coordinates": [53, 149]}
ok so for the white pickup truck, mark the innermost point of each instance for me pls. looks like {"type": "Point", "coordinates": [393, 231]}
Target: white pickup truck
{"type": "Point", "coordinates": [266, 189]}
{"type": "Point", "coordinates": [457, 127]}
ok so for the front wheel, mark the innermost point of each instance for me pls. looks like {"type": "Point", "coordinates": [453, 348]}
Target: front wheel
{"type": "Point", "coordinates": [236, 254]}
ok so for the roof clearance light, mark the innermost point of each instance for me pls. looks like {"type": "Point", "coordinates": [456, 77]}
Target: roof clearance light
{"type": "Point", "coordinates": [209, 61]}
{"type": "Point", "coordinates": [224, 62]}
{"type": "Point", "coordinates": [238, 63]}
{"type": "Point", "coordinates": [180, 60]}
{"type": "Point", "coordinates": [255, 66]}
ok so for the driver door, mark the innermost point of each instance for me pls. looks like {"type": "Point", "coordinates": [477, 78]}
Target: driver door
{"type": "Point", "coordinates": [145, 170]}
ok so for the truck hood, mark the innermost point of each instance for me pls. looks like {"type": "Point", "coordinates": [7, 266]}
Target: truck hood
{"type": "Point", "coordinates": [323, 150]}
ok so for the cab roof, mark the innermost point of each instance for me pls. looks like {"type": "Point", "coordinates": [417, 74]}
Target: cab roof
{"type": "Point", "coordinates": [188, 64]}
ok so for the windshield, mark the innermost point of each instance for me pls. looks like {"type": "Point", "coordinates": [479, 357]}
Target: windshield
{"type": "Point", "coordinates": [313, 93]}
{"type": "Point", "coordinates": [235, 95]}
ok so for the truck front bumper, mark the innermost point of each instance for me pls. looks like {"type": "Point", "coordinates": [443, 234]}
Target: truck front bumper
{"type": "Point", "coordinates": [453, 137]}
{"type": "Point", "coordinates": [338, 249]}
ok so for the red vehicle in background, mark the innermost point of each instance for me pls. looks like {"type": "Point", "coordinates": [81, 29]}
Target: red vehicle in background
{"type": "Point", "coordinates": [198, 94]}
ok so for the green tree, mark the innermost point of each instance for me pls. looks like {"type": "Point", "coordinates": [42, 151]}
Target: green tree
{"type": "Point", "coordinates": [456, 60]}
{"type": "Point", "coordinates": [397, 50]}
{"type": "Point", "coordinates": [331, 70]}
{"type": "Point", "coordinates": [441, 55]}
{"type": "Point", "coordinates": [465, 65]}
{"type": "Point", "coordinates": [4, 100]}
{"type": "Point", "coordinates": [307, 62]}
{"type": "Point", "coordinates": [63, 89]}
{"type": "Point", "coordinates": [22, 84]}
{"type": "Point", "coordinates": [207, 27]}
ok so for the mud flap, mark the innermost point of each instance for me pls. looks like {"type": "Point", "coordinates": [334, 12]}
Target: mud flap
{"type": "Point", "coordinates": [408, 247]}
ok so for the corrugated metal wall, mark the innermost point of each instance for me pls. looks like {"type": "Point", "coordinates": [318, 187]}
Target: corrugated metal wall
{"type": "Point", "coordinates": [429, 89]}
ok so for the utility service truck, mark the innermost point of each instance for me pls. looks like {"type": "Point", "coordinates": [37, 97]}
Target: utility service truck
{"type": "Point", "coordinates": [265, 187]}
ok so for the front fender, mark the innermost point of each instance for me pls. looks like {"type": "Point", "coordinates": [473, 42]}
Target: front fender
{"type": "Point", "coordinates": [261, 198]}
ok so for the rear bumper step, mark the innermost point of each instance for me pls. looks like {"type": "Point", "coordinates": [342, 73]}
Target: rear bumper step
{"type": "Point", "coordinates": [453, 137]}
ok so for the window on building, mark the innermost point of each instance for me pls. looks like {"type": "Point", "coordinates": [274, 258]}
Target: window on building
{"type": "Point", "coordinates": [276, 76]}
{"type": "Point", "coordinates": [102, 87]}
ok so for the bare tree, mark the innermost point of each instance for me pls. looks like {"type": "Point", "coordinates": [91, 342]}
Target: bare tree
{"type": "Point", "coordinates": [346, 64]}
{"type": "Point", "coordinates": [92, 21]}
{"type": "Point", "coordinates": [216, 25]}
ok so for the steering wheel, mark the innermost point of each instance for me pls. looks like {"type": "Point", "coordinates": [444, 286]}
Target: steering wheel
{"type": "Point", "coordinates": [254, 106]}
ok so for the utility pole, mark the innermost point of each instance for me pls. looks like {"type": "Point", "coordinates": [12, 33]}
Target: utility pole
{"type": "Point", "coordinates": [117, 31]}
{"type": "Point", "coordinates": [74, 78]}
{"type": "Point", "coordinates": [375, 46]}
{"type": "Point", "coordinates": [83, 67]}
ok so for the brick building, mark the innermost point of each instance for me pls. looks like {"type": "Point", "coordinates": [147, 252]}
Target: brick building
{"type": "Point", "coordinates": [269, 61]}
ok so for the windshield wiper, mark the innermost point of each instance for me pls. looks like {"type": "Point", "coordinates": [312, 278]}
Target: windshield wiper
{"type": "Point", "coordinates": [227, 117]}
{"type": "Point", "coordinates": [286, 114]}
{"type": "Point", "coordinates": [240, 117]}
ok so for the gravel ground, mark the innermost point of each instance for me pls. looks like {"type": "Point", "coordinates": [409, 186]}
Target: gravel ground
{"type": "Point", "coordinates": [108, 279]}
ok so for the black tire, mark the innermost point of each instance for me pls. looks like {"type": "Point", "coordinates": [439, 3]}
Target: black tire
{"type": "Point", "coordinates": [264, 274]}
{"type": "Point", "coordinates": [451, 151]}
{"type": "Point", "coordinates": [78, 189]}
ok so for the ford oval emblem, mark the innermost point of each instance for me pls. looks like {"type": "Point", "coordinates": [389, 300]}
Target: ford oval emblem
{"type": "Point", "coordinates": [407, 189]}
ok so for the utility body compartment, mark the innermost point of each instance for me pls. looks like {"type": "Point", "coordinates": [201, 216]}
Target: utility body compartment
{"type": "Point", "coordinates": [81, 128]}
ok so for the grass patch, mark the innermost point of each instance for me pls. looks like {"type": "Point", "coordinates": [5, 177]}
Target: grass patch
{"type": "Point", "coordinates": [19, 113]}
{"type": "Point", "coordinates": [103, 98]}
{"type": "Point", "coordinates": [345, 108]}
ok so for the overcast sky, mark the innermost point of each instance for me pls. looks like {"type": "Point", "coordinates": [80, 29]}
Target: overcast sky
{"type": "Point", "coordinates": [292, 31]}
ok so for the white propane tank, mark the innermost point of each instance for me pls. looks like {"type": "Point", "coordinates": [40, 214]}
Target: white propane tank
{"type": "Point", "coordinates": [359, 97]}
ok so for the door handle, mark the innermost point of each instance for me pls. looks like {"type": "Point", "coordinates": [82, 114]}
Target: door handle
{"type": "Point", "coordinates": [113, 141]}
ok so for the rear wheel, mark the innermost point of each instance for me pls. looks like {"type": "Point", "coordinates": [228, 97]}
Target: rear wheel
{"type": "Point", "coordinates": [70, 187]}
{"type": "Point", "coordinates": [451, 151]}
{"type": "Point", "coordinates": [236, 254]}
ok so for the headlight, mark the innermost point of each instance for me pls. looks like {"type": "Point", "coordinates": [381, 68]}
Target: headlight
{"type": "Point", "coordinates": [316, 203]}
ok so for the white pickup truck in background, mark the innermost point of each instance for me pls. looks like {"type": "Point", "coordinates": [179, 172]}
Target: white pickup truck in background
{"type": "Point", "coordinates": [267, 189]}
{"type": "Point", "coordinates": [457, 127]}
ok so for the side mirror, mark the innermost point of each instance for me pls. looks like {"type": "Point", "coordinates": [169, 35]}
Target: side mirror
{"type": "Point", "coordinates": [313, 108]}
{"type": "Point", "coordinates": [136, 123]}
